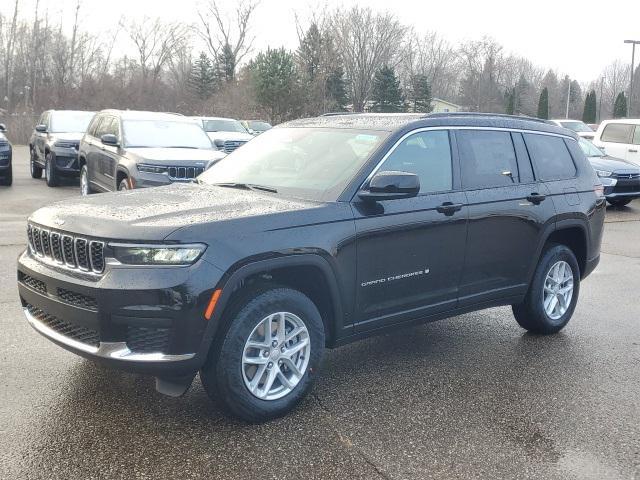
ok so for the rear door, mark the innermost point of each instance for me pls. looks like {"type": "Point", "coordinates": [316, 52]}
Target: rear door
{"type": "Point", "coordinates": [410, 251]}
{"type": "Point", "coordinates": [508, 209]}
{"type": "Point", "coordinates": [616, 139]}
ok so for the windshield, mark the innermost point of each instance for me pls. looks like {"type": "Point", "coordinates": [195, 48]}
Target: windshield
{"type": "Point", "coordinates": [314, 163]}
{"type": "Point", "coordinates": [589, 149]}
{"type": "Point", "coordinates": [70, 121]}
{"type": "Point", "coordinates": [164, 134]}
{"type": "Point", "coordinates": [223, 125]}
{"type": "Point", "coordinates": [576, 126]}
{"type": "Point", "coordinates": [259, 126]}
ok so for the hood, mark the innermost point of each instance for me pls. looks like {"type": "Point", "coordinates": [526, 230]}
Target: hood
{"type": "Point", "coordinates": [176, 156]}
{"type": "Point", "coordinates": [154, 213]}
{"type": "Point", "coordinates": [612, 164]}
{"type": "Point", "coordinates": [72, 136]}
{"type": "Point", "coordinates": [233, 136]}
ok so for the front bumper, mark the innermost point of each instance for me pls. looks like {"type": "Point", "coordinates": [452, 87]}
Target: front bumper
{"type": "Point", "coordinates": [5, 160]}
{"type": "Point", "coordinates": [141, 319]}
{"type": "Point", "coordinates": [623, 188]}
{"type": "Point", "coordinates": [66, 160]}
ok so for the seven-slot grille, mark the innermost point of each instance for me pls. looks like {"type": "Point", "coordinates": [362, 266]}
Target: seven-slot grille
{"type": "Point", "coordinates": [184, 173]}
{"type": "Point", "coordinates": [72, 252]}
{"type": "Point", "coordinates": [230, 145]}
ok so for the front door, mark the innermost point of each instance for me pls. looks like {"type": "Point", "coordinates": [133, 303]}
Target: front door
{"type": "Point", "coordinates": [410, 251]}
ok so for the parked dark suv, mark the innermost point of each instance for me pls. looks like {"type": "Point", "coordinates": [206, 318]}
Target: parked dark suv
{"type": "Point", "coordinates": [317, 233]}
{"type": "Point", "coordinates": [125, 149]}
{"type": "Point", "coordinates": [54, 144]}
{"type": "Point", "coordinates": [6, 152]}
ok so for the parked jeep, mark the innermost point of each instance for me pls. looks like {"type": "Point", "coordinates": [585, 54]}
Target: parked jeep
{"type": "Point", "coordinates": [226, 134]}
{"type": "Point", "coordinates": [6, 152]}
{"type": "Point", "coordinates": [54, 144]}
{"type": "Point", "coordinates": [317, 233]}
{"type": "Point", "coordinates": [125, 149]}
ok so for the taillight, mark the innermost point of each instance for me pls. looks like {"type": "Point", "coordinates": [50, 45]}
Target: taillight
{"type": "Point", "coordinates": [599, 190]}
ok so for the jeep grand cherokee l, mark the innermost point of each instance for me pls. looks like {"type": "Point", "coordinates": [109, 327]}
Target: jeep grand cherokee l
{"type": "Point", "coordinates": [316, 233]}
{"type": "Point", "coordinates": [54, 144]}
{"type": "Point", "coordinates": [125, 149]}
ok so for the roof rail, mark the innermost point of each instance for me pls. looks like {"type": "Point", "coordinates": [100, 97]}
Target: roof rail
{"type": "Point", "coordinates": [479, 114]}
{"type": "Point", "coordinates": [334, 114]}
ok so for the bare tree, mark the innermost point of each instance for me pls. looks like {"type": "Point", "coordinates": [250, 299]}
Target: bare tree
{"type": "Point", "coordinates": [228, 39]}
{"type": "Point", "coordinates": [8, 54]}
{"type": "Point", "coordinates": [366, 41]}
{"type": "Point", "coordinates": [615, 80]}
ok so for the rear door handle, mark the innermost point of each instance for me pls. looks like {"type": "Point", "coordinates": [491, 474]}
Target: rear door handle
{"type": "Point", "coordinates": [536, 198]}
{"type": "Point", "coordinates": [449, 208]}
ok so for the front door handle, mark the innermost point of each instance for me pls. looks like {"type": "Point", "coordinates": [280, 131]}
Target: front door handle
{"type": "Point", "coordinates": [449, 208]}
{"type": "Point", "coordinates": [536, 198]}
{"type": "Point", "coordinates": [633, 150]}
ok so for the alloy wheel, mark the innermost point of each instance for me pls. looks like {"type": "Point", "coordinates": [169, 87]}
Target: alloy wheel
{"type": "Point", "coordinates": [84, 182]}
{"type": "Point", "coordinates": [276, 356]}
{"type": "Point", "coordinates": [558, 290]}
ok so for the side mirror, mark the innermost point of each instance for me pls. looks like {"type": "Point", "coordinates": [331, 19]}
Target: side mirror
{"type": "Point", "coordinates": [41, 128]}
{"type": "Point", "coordinates": [109, 139]}
{"type": "Point", "coordinates": [390, 186]}
{"type": "Point", "coordinates": [3, 127]}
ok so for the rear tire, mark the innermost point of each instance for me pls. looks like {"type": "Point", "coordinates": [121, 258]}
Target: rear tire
{"type": "Point", "coordinates": [620, 202]}
{"type": "Point", "coordinates": [230, 370]}
{"type": "Point", "coordinates": [51, 172]}
{"type": "Point", "coordinates": [34, 168]}
{"type": "Point", "coordinates": [546, 308]}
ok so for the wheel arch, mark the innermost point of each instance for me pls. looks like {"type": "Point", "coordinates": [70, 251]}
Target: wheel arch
{"type": "Point", "coordinates": [310, 274]}
{"type": "Point", "coordinates": [573, 234]}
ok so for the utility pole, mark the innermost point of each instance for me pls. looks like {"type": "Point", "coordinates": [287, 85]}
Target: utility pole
{"type": "Point", "coordinates": [600, 100]}
{"type": "Point", "coordinates": [566, 115]}
{"type": "Point", "coordinates": [633, 58]}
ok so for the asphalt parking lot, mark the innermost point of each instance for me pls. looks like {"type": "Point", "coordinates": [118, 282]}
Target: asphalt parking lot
{"type": "Point", "coordinates": [469, 397]}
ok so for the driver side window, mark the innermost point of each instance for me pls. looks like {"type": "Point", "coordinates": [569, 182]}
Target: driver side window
{"type": "Point", "coordinates": [426, 154]}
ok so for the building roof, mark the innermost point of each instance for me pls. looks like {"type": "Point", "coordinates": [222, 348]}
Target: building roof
{"type": "Point", "coordinates": [435, 99]}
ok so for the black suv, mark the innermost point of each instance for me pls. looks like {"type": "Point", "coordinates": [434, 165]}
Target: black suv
{"type": "Point", "coordinates": [54, 144]}
{"type": "Point", "coordinates": [6, 152]}
{"type": "Point", "coordinates": [127, 149]}
{"type": "Point", "coordinates": [317, 233]}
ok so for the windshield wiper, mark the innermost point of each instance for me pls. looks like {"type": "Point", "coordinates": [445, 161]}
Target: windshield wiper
{"type": "Point", "coordinates": [181, 146]}
{"type": "Point", "coordinates": [246, 186]}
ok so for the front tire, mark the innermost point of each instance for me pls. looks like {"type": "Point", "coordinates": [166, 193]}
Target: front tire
{"type": "Point", "coordinates": [85, 186]}
{"type": "Point", "coordinates": [34, 168]}
{"type": "Point", "coordinates": [553, 293]}
{"type": "Point", "coordinates": [264, 364]}
{"type": "Point", "coordinates": [51, 172]}
{"type": "Point", "coordinates": [620, 202]}
{"type": "Point", "coordinates": [123, 184]}
{"type": "Point", "coordinates": [7, 180]}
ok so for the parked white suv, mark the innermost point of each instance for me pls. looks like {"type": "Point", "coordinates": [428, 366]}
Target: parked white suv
{"type": "Point", "coordinates": [620, 138]}
{"type": "Point", "coordinates": [579, 127]}
{"type": "Point", "coordinates": [226, 134]}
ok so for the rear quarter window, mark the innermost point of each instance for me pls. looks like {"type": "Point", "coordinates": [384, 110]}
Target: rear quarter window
{"type": "Point", "coordinates": [617, 133]}
{"type": "Point", "coordinates": [550, 157]}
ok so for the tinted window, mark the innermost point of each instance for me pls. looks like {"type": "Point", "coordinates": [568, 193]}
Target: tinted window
{"type": "Point", "coordinates": [68, 121]}
{"type": "Point", "coordinates": [524, 162]}
{"type": "Point", "coordinates": [164, 134]}
{"type": "Point", "coordinates": [223, 125]}
{"type": "Point", "coordinates": [486, 157]}
{"type": "Point", "coordinates": [636, 136]}
{"type": "Point", "coordinates": [617, 133]}
{"type": "Point", "coordinates": [111, 126]}
{"type": "Point", "coordinates": [102, 127]}
{"type": "Point", "coordinates": [428, 155]}
{"type": "Point", "coordinates": [550, 157]}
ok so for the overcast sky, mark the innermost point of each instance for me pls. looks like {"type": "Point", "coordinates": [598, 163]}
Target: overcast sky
{"type": "Point", "coordinates": [578, 38]}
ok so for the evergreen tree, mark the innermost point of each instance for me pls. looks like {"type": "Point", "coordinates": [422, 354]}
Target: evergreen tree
{"type": "Point", "coordinates": [386, 93]}
{"type": "Point", "coordinates": [420, 94]}
{"type": "Point", "coordinates": [226, 63]}
{"type": "Point", "coordinates": [543, 104]}
{"type": "Point", "coordinates": [510, 97]}
{"type": "Point", "coordinates": [337, 89]}
{"type": "Point", "coordinates": [276, 83]}
{"type": "Point", "coordinates": [203, 79]}
{"type": "Point", "coordinates": [589, 114]}
{"type": "Point", "coordinates": [620, 106]}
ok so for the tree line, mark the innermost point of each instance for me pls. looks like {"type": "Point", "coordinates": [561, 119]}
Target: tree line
{"type": "Point", "coordinates": [346, 59]}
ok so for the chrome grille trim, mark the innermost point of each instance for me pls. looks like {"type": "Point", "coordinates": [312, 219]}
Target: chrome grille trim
{"type": "Point", "coordinates": [69, 251]}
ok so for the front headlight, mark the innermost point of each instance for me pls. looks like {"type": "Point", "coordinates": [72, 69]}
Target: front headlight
{"type": "Point", "coordinates": [151, 168]}
{"type": "Point", "coordinates": [158, 255]}
{"type": "Point", "coordinates": [603, 173]}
